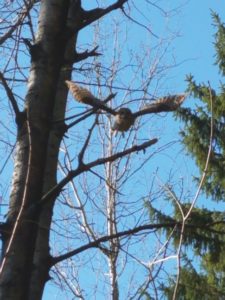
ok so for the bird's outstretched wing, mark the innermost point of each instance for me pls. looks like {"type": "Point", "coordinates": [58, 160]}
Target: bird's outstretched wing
{"type": "Point", "coordinates": [124, 118]}
{"type": "Point", "coordinates": [164, 104]}
{"type": "Point", "coordinates": [83, 95]}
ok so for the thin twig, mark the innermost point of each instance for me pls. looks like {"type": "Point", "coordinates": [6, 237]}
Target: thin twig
{"type": "Point", "coordinates": [10, 95]}
{"type": "Point", "coordinates": [81, 154]}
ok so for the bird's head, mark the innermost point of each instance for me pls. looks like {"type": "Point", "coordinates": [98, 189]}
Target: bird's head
{"type": "Point", "coordinates": [124, 113]}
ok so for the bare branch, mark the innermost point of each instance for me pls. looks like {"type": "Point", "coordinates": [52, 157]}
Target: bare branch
{"type": "Point", "coordinates": [81, 56]}
{"type": "Point", "coordinates": [140, 24]}
{"type": "Point", "coordinates": [10, 96]}
{"type": "Point", "coordinates": [97, 13]}
{"type": "Point", "coordinates": [106, 238]}
{"type": "Point", "coordinates": [81, 154]}
{"type": "Point", "coordinates": [54, 192]}
{"type": "Point", "coordinates": [21, 16]}
{"type": "Point", "coordinates": [120, 234]}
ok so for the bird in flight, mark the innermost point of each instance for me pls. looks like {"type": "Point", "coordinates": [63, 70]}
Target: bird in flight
{"type": "Point", "coordinates": [124, 118]}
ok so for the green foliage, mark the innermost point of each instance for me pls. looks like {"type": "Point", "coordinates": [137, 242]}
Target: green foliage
{"type": "Point", "coordinates": [145, 296]}
{"type": "Point", "coordinates": [196, 135]}
{"type": "Point", "coordinates": [219, 42]}
{"type": "Point", "coordinates": [197, 122]}
{"type": "Point", "coordinates": [205, 230]}
{"type": "Point", "coordinates": [204, 234]}
{"type": "Point", "coordinates": [156, 215]}
{"type": "Point", "coordinates": [193, 286]}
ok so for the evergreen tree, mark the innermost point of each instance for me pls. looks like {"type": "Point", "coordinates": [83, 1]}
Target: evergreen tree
{"type": "Point", "coordinates": [207, 280]}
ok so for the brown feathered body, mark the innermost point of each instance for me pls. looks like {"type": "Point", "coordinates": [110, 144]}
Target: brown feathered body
{"type": "Point", "coordinates": [123, 120]}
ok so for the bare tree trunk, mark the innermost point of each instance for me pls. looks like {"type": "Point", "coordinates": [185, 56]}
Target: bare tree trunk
{"type": "Point", "coordinates": [112, 229]}
{"type": "Point", "coordinates": [25, 269]}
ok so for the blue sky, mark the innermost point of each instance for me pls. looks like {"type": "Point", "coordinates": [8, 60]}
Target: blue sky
{"type": "Point", "coordinates": [195, 45]}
